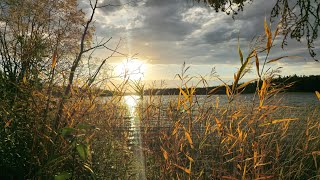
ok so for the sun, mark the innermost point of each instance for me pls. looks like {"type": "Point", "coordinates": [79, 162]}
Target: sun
{"type": "Point", "coordinates": [131, 69]}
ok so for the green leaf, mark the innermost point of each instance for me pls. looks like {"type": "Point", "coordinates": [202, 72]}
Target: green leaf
{"type": "Point", "coordinates": [62, 176]}
{"type": "Point", "coordinates": [82, 151]}
{"type": "Point", "coordinates": [66, 131]}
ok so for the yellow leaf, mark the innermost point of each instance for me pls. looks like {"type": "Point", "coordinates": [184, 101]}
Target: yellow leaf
{"type": "Point", "coordinates": [214, 89]}
{"type": "Point", "coordinates": [183, 93]}
{"type": "Point", "coordinates": [217, 102]}
{"type": "Point", "coordinates": [279, 121]}
{"type": "Point", "coordinates": [176, 127]}
{"type": "Point", "coordinates": [263, 88]}
{"type": "Point", "coordinates": [54, 59]}
{"type": "Point", "coordinates": [8, 123]}
{"type": "Point", "coordinates": [283, 120]}
{"type": "Point", "coordinates": [190, 158]}
{"type": "Point", "coordinates": [175, 130]}
{"type": "Point", "coordinates": [228, 91]}
{"type": "Point", "coordinates": [255, 154]}
{"type": "Point", "coordinates": [276, 32]}
{"type": "Point", "coordinates": [189, 139]}
{"type": "Point", "coordinates": [245, 84]}
{"type": "Point", "coordinates": [193, 90]}
{"type": "Point", "coordinates": [218, 122]}
{"type": "Point", "coordinates": [240, 52]}
{"type": "Point", "coordinates": [277, 59]}
{"type": "Point", "coordinates": [207, 128]}
{"type": "Point", "coordinates": [241, 71]}
{"type": "Point", "coordinates": [24, 79]}
{"type": "Point", "coordinates": [257, 62]}
{"type": "Point", "coordinates": [165, 153]}
{"type": "Point", "coordinates": [183, 168]}
{"type": "Point", "coordinates": [318, 95]}
{"type": "Point", "coordinates": [239, 167]}
{"type": "Point", "coordinates": [229, 177]}
{"type": "Point", "coordinates": [268, 34]}
{"type": "Point", "coordinates": [244, 171]}
{"type": "Point", "coordinates": [179, 102]}
{"type": "Point", "coordinates": [91, 107]}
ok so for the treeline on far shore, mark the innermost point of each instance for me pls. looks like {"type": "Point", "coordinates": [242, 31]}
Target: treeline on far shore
{"type": "Point", "coordinates": [294, 84]}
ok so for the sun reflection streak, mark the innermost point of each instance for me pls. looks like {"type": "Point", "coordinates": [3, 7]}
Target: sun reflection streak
{"type": "Point", "coordinates": [135, 134]}
{"type": "Point", "coordinates": [131, 102]}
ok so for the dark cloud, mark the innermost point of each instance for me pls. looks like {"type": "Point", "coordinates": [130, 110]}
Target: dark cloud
{"type": "Point", "coordinates": [173, 31]}
{"type": "Point", "coordinates": [163, 21]}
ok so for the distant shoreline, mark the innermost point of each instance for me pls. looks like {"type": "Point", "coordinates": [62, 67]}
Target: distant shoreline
{"type": "Point", "coordinates": [295, 84]}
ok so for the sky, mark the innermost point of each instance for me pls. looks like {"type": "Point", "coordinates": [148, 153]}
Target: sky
{"type": "Point", "coordinates": [164, 34]}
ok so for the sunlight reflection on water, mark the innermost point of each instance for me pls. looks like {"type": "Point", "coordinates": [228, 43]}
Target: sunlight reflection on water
{"type": "Point", "coordinates": [135, 135]}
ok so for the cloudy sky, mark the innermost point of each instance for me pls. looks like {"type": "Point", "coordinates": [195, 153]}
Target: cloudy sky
{"type": "Point", "coordinates": [165, 33]}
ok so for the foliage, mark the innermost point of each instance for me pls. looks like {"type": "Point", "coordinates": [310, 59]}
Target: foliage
{"type": "Point", "coordinates": [46, 133]}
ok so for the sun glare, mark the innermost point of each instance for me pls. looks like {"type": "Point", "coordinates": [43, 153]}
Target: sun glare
{"type": "Point", "coordinates": [132, 69]}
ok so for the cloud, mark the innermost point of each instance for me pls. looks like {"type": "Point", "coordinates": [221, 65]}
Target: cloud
{"type": "Point", "coordinates": [174, 31]}
{"type": "Point", "coordinates": [110, 6]}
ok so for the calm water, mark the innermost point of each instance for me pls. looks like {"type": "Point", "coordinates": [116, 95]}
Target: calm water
{"type": "Point", "coordinates": [288, 99]}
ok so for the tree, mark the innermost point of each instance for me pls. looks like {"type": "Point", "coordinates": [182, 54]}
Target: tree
{"type": "Point", "coordinates": [32, 30]}
{"type": "Point", "coordinates": [298, 19]}
{"type": "Point", "coordinates": [42, 45]}
{"type": "Point", "coordinates": [227, 6]}
{"type": "Point", "coordinates": [31, 34]}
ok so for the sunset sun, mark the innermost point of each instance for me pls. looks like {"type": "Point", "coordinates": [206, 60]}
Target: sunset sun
{"type": "Point", "coordinates": [131, 69]}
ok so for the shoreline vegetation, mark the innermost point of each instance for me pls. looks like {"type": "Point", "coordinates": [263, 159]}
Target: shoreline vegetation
{"type": "Point", "coordinates": [70, 132]}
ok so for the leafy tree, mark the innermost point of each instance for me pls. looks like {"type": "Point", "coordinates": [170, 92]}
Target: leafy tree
{"type": "Point", "coordinates": [31, 33]}
{"type": "Point", "coordinates": [32, 30]}
{"type": "Point", "coordinates": [42, 45]}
